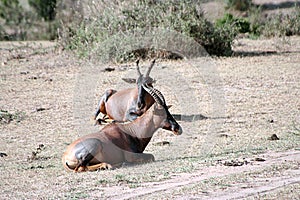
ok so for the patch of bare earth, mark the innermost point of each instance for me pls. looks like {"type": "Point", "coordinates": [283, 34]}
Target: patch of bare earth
{"type": "Point", "coordinates": [261, 178]}
{"type": "Point", "coordinates": [239, 158]}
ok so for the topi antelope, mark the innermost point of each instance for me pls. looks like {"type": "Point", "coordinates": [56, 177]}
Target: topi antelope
{"type": "Point", "coordinates": [117, 143]}
{"type": "Point", "coordinates": [127, 104]}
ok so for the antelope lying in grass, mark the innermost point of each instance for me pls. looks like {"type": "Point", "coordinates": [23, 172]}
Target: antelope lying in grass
{"type": "Point", "coordinates": [119, 143]}
{"type": "Point", "coordinates": [127, 104]}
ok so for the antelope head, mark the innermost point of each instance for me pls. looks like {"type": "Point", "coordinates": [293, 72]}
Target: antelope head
{"type": "Point", "coordinates": [143, 80]}
{"type": "Point", "coordinates": [169, 123]}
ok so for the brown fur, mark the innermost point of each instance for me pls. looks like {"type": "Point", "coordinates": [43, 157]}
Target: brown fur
{"type": "Point", "coordinates": [127, 104]}
{"type": "Point", "coordinates": [117, 143]}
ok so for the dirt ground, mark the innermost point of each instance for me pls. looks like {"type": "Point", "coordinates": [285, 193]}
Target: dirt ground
{"type": "Point", "coordinates": [229, 109]}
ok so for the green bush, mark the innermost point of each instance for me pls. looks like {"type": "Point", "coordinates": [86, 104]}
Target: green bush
{"type": "Point", "coordinates": [282, 25]}
{"type": "Point", "coordinates": [102, 32]}
{"type": "Point", "coordinates": [241, 24]}
{"type": "Point", "coordinates": [258, 23]}
{"type": "Point", "coordinates": [16, 20]}
{"type": "Point", "coordinates": [256, 19]}
{"type": "Point", "coordinates": [21, 24]}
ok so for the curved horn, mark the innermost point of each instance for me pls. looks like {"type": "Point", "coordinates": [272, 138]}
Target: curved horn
{"type": "Point", "coordinates": [160, 95]}
{"type": "Point", "coordinates": [156, 94]}
{"type": "Point", "coordinates": [149, 69]}
{"type": "Point", "coordinates": [138, 68]}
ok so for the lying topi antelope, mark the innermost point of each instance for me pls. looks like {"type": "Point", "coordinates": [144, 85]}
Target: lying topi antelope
{"type": "Point", "coordinates": [127, 104]}
{"type": "Point", "coordinates": [117, 143]}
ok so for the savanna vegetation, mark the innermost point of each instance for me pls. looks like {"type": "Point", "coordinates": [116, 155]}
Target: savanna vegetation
{"type": "Point", "coordinates": [89, 27]}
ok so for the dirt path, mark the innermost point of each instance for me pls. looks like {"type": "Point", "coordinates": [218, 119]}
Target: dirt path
{"type": "Point", "coordinates": [257, 186]}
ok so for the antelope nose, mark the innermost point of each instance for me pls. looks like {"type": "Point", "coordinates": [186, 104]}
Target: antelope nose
{"type": "Point", "coordinates": [177, 130]}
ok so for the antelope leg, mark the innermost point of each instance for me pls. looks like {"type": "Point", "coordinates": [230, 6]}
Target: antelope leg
{"type": "Point", "coordinates": [139, 157]}
{"type": "Point", "coordinates": [100, 166]}
{"type": "Point", "coordinates": [101, 105]}
{"type": "Point", "coordinates": [102, 120]}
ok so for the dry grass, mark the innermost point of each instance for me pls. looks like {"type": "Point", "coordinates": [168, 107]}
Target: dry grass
{"type": "Point", "coordinates": [261, 98]}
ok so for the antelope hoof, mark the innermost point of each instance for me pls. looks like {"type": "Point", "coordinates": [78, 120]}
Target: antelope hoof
{"type": "Point", "coordinates": [80, 169]}
{"type": "Point", "coordinates": [99, 121]}
{"type": "Point", "coordinates": [94, 121]}
{"type": "Point", "coordinates": [105, 166]}
{"type": "Point", "coordinates": [98, 167]}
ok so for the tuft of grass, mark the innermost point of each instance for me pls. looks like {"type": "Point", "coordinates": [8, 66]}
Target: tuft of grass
{"type": "Point", "coordinates": [77, 195]}
{"type": "Point", "coordinates": [35, 153]}
{"type": "Point", "coordinates": [7, 117]}
{"type": "Point", "coordinates": [295, 129]}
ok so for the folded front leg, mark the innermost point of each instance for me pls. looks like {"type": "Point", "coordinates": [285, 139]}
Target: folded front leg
{"type": "Point", "coordinates": [139, 157]}
{"type": "Point", "coordinates": [100, 166]}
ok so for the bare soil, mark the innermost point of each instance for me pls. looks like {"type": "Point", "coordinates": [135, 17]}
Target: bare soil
{"type": "Point", "coordinates": [229, 109]}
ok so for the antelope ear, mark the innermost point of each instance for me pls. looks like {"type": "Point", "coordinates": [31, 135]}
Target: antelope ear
{"type": "Point", "coordinates": [129, 80]}
{"type": "Point", "coordinates": [169, 106]}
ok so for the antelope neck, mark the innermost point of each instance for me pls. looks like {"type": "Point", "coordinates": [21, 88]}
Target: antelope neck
{"type": "Point", "coordinates": [142, 127]}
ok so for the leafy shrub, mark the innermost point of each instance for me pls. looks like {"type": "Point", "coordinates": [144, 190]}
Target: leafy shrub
{"type": "Point", "coordinates": [241, 24]}
{"type": "Point", "coordinates": [256, 19]}
{"type": "Point", "coordinates": [260, 24]}
{"type": "Point", "coordinates": [104, 31]}
{"type": "Point", "coordinates": [282, 25]}
{"type": "Point", "coordinates": [16, 20]}
{"type": "Point", "coordinates": [21, 24]}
